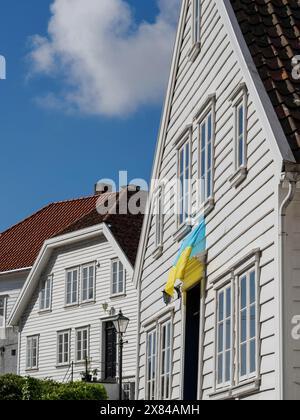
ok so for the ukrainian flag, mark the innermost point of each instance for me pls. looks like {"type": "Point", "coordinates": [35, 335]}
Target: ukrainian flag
{"type": "Point", "coordinates": [188, 267]}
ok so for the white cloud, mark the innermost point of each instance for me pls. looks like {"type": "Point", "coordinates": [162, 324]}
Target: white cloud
{"type": "Point", "coordinates": [110, 64]}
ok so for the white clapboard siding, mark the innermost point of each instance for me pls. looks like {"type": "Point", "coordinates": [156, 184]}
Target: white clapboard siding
{"type": "Point", "coordinates": [243, 219]}
{"type": "Point", "coordinates": [47, 325]}
{"type": "Point", "coordinates": [10, 286]}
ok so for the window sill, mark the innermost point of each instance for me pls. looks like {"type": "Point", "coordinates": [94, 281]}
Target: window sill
{"type": "Point", "coordinates": [182, 232]}
{"type": "Point", "coordinates": [240, 175]}
{"type": "Point", "coordinates": [72, 306]}
{"type": "Point", "coordinates": [194, 51]}
{"type": "Point", "coordinates": [45, 311]}
{"type": "Point", "coordinates": [120, 295]}
{"type": "Point", "coordinates": [63, 366]}
{"type": "Point", "coordinates": [88, 302]}
{"type": "Point", "coordinates": [157, 253]}
{"type": "Point", "coordinates": [239, 391]}
{"type": "Point", "coordinates": [32, 370]}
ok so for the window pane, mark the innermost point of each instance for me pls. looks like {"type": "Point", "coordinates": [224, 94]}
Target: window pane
{"type": "Point", "coordinates": [244, 326]}
{"type": "Point", "coordinates": [228, 334]}
{"type": "Point", "coordinates": [221, 338]}
{"type": "Point", "coordinates": [228, 302]}
{"type": "Point", "coordinates": [221, 306]}
{"type": "Point", "coordinates": [252, 356]}
{"type": "Point", "coordinates": [252, 287]}
{"type": "Point", "coordinates": [244, 359]}
{"type": "Point", "coordinates": [241, 120]}
{"type": "Point", "coordinates": [253, 321]}
{"type": "Point", "coordinates": [220, 369]}
{"type": "Point", "coordinates": [228, 366]}
{"type": "Point", "coordinates": [243, 293]}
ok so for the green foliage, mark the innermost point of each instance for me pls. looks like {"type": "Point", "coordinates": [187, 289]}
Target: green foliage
{"type": "Point", "coordinates": [14, 387]}
{"type": "Point", "coordinates": [11, 387]}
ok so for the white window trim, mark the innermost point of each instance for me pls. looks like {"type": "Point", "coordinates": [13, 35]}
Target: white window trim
{"type": "Point", "coordinates": [158, 207]}
{"type": "Point", "coordinates": [69, 348]}
{"type": "Point", "coordinates": [68, 270]}
{"type": "Point", "coordinates": [88, 265]}
{"type": "Point", "coordinates": [5, 298]}
{"type": "Point", "coordinates": [186, 137]}
{"type": "Point", "coordinates": [81, 329]}
{"type": "Point", "coordinates": [208, 107]}
{"type": "Point", "coordinates": [238, 386]}
{"type": "Point", "coordinates": [239, 97]}
{"type": "Point", "coordinates": [37, 338]}
{"type": "Point", "coordinates": [50, 277]}
{"type": "Point", "coordinates": [151, 332]}
{"type": "Point", "coordinates": [118, 294]}
{"type": "Point", "coordinates": [224, 288]}
{"type": "Point", "coordinates": [196, 41]}
{"type": "Point", "coordinates": [155, 325]}
{"type": "Point", "coordinates": [160, 358]}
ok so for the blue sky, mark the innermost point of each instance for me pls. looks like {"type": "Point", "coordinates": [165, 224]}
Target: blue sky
{"type": "Point", "coordinates": [52, 153]}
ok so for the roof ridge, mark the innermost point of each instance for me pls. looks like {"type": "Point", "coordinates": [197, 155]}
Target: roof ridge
{"type": "Point", "coordinates": [43, 209]}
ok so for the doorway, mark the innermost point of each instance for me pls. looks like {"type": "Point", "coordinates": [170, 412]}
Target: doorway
{"type": "Point", "coordinates": [192, 337]}
{"type": "Point", "coordinates": [110, 351]}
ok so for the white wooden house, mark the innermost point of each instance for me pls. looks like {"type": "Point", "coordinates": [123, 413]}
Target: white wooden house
{"type": "Point", "coordinates": [80, 280]}
{"type": "Point", "coordinates": [231, 120]}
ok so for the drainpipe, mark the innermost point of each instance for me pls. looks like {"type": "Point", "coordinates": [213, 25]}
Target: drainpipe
{"type": "Point", "coordinates": [292, 176]}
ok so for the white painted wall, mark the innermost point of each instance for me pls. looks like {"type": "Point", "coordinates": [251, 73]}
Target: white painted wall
{"type": "Point", "coordinates": [10, 286]}
{"type": "Point", "coordinates": [243, 218]}
{"type": "Point", "coordinates": [48, 324]}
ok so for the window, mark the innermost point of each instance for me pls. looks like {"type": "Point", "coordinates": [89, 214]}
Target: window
{"type": "Point", "coordinates": [224, 332]}
{"type": "Point", "coordinates": [184, 172]}
{"type": "Point", "coordinates": [151, 365]}
{"type": "Point", "coordinates": [237, 326]}
{"type": "Point", "coordinates": [240, 139]}
{"type": "Point", "coordinates": [118, 278]}
{"type": "Point", "coordinates": [158, 214]}
{"type": "Point", "coordinates": [72, 286]}
{"type": "Point", "coordinates": [63, 348]}
{"type": "Point", "coordinates": [206, 157]}
{"type": "Point", "coordinates": [82, 344]}
{"type": "Point", "coordinates": [2, 311]}
{"type": "Point", "coordinates": [165, 361]}
{"type": "Point", "coordinates": [247, 325]}
{"type": "Point", "coordinates": [196, 21]}
{"type": "Point", "coordinates": [32, 352]}
{"type": "Point", "coordinates": [45, 294]}
{"type": "Point", "coordinates": [88, 283]}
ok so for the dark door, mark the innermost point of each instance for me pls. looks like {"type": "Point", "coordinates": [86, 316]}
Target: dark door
{"type": "Point", "coordinates": [110, 351]}
{"type": "Point", "coordinates": [192, 344]}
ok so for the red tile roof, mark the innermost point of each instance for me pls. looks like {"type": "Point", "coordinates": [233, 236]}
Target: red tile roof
{"type": "Point", "coordinates": [271, 29]}
{"type": "Point", "coordinates": [20, 245]}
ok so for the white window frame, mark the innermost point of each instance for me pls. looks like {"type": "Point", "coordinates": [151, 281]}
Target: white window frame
{"type": "Point", "coordinates": [123, 291]}
{"type": "Point", "coordinates": [155, 326]}
{"type": "Point", "coordinates": [158, 216]}
{"type": "Point", "coordinates": [239, 100]}
{"type": "Point", "coordinates": [72, 270]}
{"type": "Point", "coordinates": [184, 191]}
{"type": "Point", "coordinates": [225, 349]}
{"type": "Point", "coordinates": [249, 374]}
{"type": "Point", "coordinates": [30, 365]}
{"type": "Point", "coordinates": [82, 330]}
{"type": "Point", "coordinates": [151, 357]}
{"type": "Point", "coordinates": [43, 289]}
{"type": "Point", "coordinates": [197, 16]}
{"type": "Point", "coordinates": [238, 385]}
{"type": "Point", "coordinates": [4, 299]}
{"type": "Point", "coordinates": [208, 116]}
{"type": "Point", "coordinates": [165, 394]}
{"type": "Point", "coordinates": [88, 267]}
{"type": "Point", "coordinates": [59, 334]}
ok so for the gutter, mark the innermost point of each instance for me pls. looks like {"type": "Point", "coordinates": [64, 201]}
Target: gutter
{"type": "Point", "coordinates": [292, 176]}
{"type": "Point", "coordinates": [18, 270]}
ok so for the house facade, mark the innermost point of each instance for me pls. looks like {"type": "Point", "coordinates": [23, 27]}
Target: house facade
{"type": "Point", "coordinates": [80, 281]}
{"type": "Point", "coordinates": [230, 136]}
{"type": "Point", "coordinates": [11, 284]}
